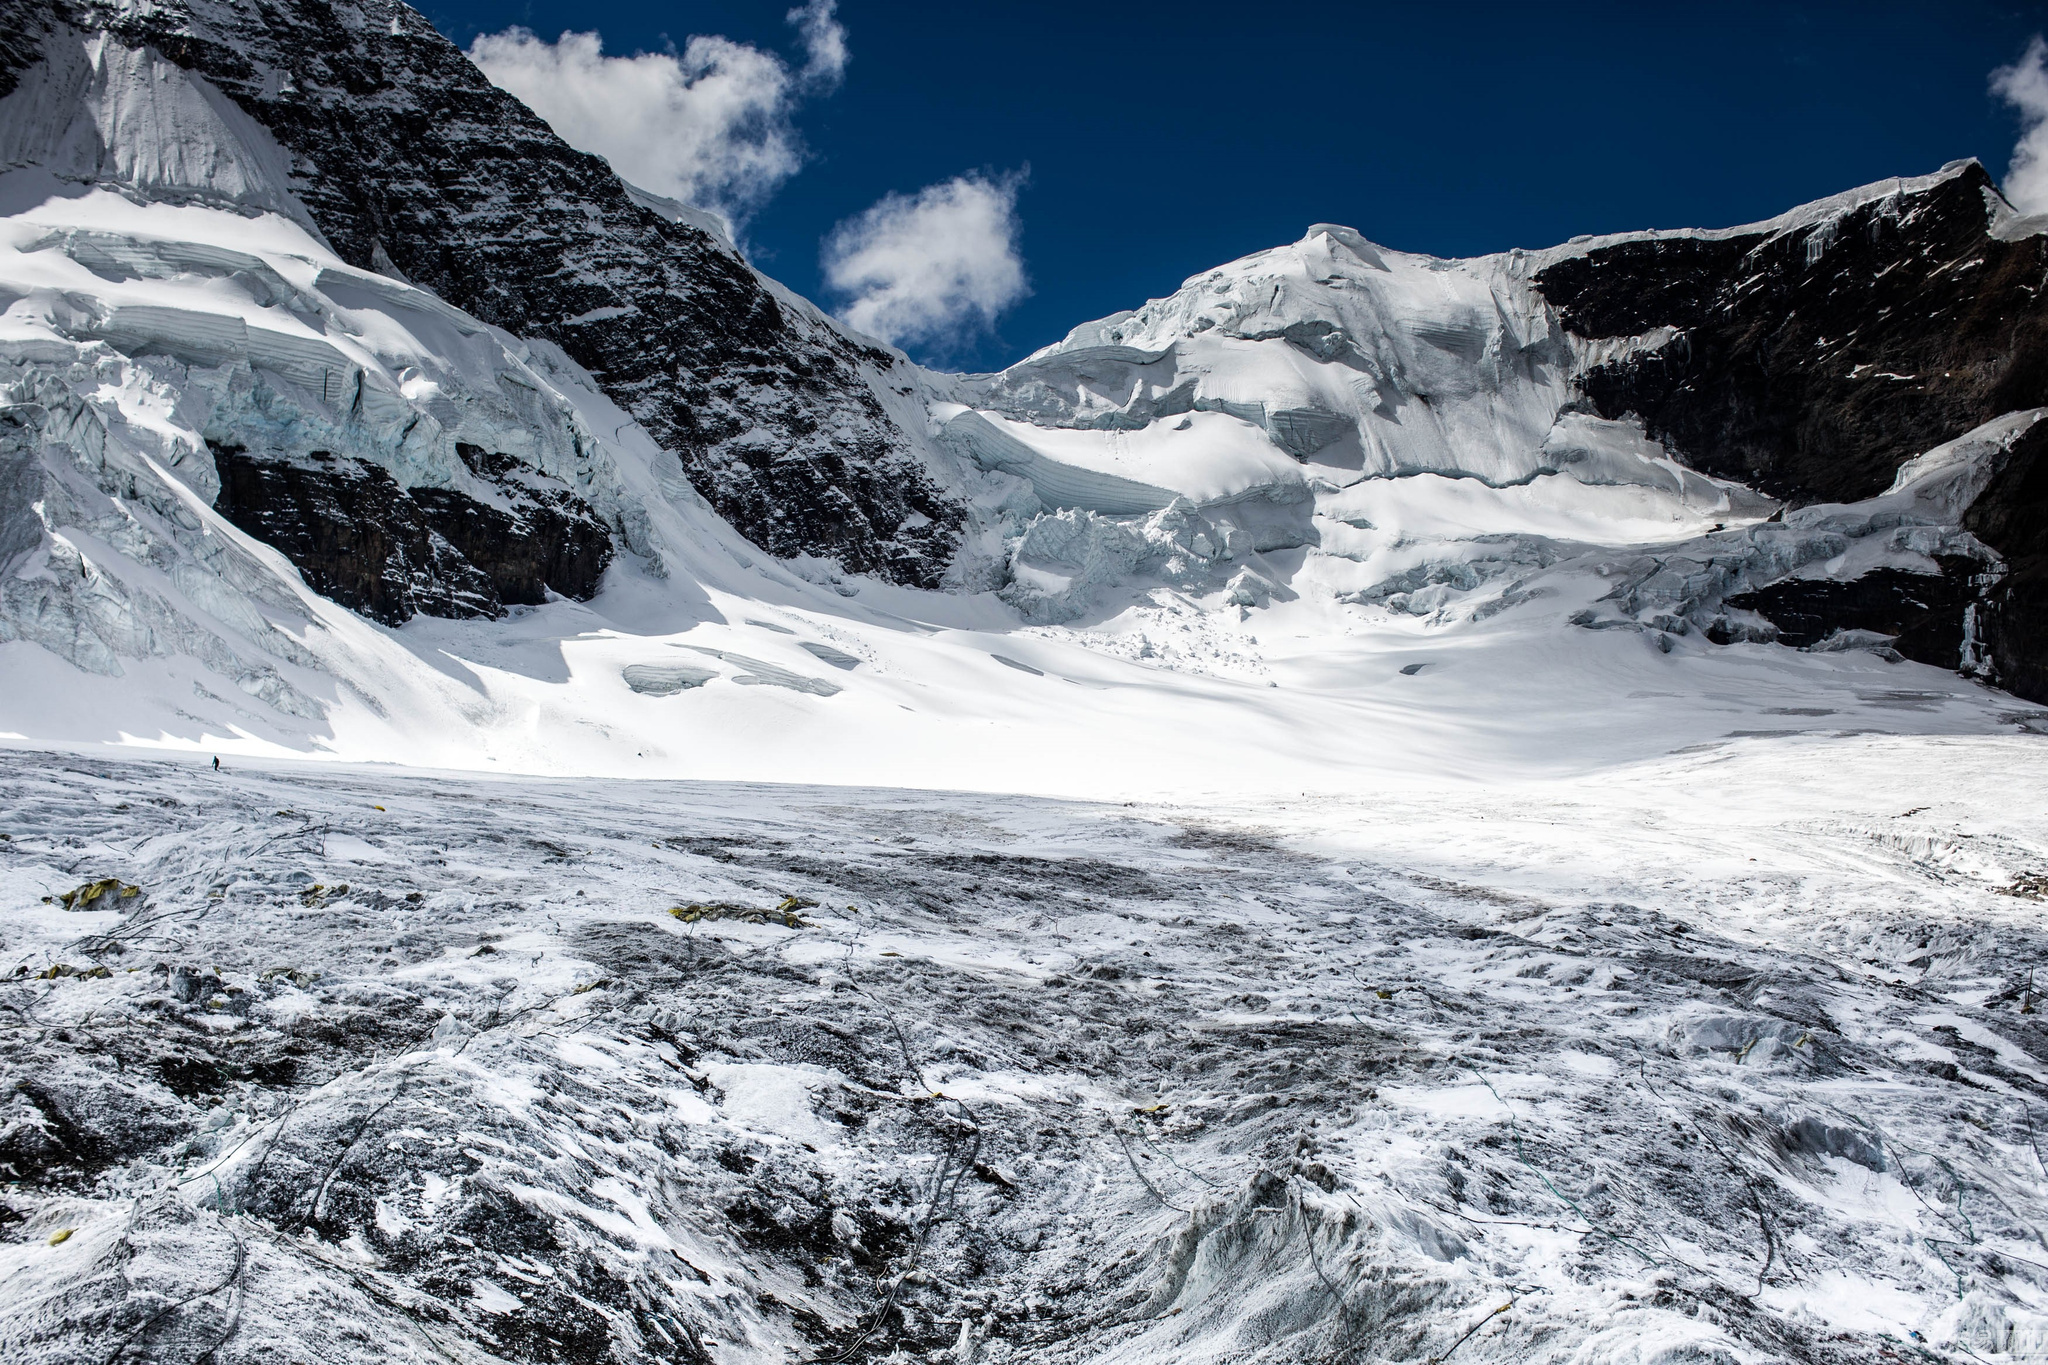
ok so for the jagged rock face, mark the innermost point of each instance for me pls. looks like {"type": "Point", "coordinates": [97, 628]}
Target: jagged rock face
{"type": "Point", "coordinates": [407, 157]}
{"type": "Point", "coordinates": [1812, 364]}
{"type": "Point", "coordinates": [1922, 613]}
{"type": "Point", "coordinates": [354, 535]}
{"type": "Point", "coordinates": [545, 537]}
{"type": "Point", "coordinates": [2012, 514]}
{"type": "Point", "coordinates": [361, 540]}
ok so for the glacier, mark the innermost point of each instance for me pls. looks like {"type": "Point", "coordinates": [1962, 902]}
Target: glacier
{"type": "Point", "coordinates": [1312, 819]}
{"type": "Point", "coordinates": [1647, 1065]}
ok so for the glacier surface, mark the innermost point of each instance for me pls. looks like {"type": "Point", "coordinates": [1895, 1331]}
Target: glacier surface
{"type": "Point", "coordinates": [1657, 1064]}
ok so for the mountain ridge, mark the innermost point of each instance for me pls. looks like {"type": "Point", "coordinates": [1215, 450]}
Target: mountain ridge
{"type": "Point", "coordinates": [402, 159]}
{"type": "Point", "coordinates": [1633, 310]}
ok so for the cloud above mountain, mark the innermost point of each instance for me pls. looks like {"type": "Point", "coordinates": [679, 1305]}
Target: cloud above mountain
{"type": "Point", "coordinates": [934, 268]}
{"type": "Point", "coordinates": [2024, 85]}
{"type": "Point", "coordinates": [711, 125]}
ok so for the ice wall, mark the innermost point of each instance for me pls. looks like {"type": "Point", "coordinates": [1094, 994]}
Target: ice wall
{"type": "Point", "coordinates": [163, 298]}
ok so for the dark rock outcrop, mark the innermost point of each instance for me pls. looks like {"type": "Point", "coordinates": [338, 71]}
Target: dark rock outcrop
{"type": "Point", "coordinates": [1923, 612]}
{"type": "Point", "coordinates": [2012, 615]}
{"type": "Point", "coordinates": [1813, 362]}
{"type": "Point", "coordinates": [544, 537]}
{"type": "Point", "coordinates": [361, 540]}
{"type": "Point", "coordinates": [407, 158]}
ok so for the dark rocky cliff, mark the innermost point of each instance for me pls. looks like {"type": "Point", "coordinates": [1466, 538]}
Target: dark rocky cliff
{"type": "Point", "coordinates": [407, 157]}
{"type": "Point", "coordinates": [389, 553]}
{"type": "Point", "coordinates": [2012, 514]}
{"type": "Point", "coordinates": [1812, 363]}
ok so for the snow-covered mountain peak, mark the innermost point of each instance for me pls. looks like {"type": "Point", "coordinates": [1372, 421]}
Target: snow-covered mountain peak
{"type": "Point", "coordinates": [475, 476]}
{"type": "Point", "coordinates": [1325, 396]}
{"type": "Point", "coordinates": [1382, 363]}
{"type": "Point", "coordinates": [1391, 414]}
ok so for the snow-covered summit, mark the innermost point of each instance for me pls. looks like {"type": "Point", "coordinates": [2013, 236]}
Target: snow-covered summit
{"type": "Point", "coordinates": [1334, 376]}
{"type": "Point", "coordinates": [1332, 394]}
{"type": "Point", "coordinates": [1340, 353]}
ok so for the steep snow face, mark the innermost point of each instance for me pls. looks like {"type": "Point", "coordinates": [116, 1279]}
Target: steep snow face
{"type": "Point", "coordinates": [1341, 353]}
{"type": "Point", "coordinates": [1329, 395]}
{"type": "Point", "coordinates": [806, 437]}
{"type": "Point", "coordinates": [96, 111]}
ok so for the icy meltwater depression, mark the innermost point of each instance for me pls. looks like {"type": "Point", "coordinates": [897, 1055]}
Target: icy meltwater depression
{"type": "Point", "coordinates": [1726, 1056]}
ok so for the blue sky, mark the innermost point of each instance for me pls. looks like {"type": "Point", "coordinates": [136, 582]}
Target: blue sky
{"type": "Point", "coordinates": [1131, 146]}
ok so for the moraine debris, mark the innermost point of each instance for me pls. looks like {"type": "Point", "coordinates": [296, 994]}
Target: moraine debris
{"type": "Point", "coordinates": [784, 913]}
{"type": "Point", "coordinates": [99, 895]}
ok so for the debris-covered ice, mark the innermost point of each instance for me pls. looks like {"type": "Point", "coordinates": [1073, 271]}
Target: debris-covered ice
{"type": "Point", "coordinates": [1697, 1061]}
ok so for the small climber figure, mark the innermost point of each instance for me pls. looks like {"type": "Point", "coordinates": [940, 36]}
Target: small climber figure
{"type": "Point", "coordinates": [216, 762]}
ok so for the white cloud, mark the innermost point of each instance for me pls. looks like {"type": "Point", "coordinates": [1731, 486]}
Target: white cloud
{"type": "Point", "coordinates": [824, 42]}
{"type": "Point", "coordinates": [710, 126]}
{"type": "Point", "coordinates": [934, 267]}
{"type": "Point", "coordinates": [2024, 85]}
